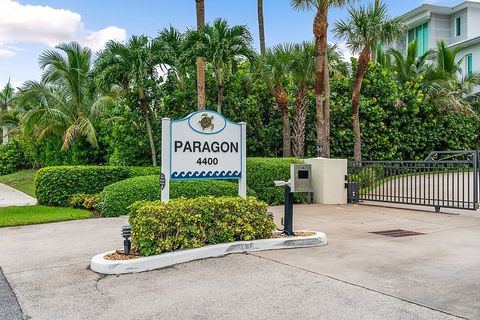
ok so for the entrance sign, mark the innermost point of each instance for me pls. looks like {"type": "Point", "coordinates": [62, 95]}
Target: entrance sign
{"type": "Point", "coordinates": [203, 145]}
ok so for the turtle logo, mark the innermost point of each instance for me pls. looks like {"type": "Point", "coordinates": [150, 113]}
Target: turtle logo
{"type": "Point", "coordinates": [206, 122]}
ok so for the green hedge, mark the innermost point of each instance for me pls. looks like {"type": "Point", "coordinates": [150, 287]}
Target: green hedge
{"type": "Point", "coordinates": [191, 223]}
{"type": "Point", "coordinates": [119, 196]}
{"type": "Point", "coordinates": [54, 186]}
{"type": "Point", "coordinates": [261, 172]}
{"type": "Point", "coordinates": [12, 157]}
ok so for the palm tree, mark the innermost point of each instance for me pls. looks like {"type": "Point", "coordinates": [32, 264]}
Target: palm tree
{"type": "Point", "coordinates": [410, 66]}
{"type": "Point", "coordinates": [261, 27]}
{"type": "Point", "coordinates": [222, 46]}
{"type": "Point", "coordinates": [320, 28]}
{"type": "Point", "coordinates": [63, 101]}
{"type": "Point", "coordinates": [303, 71]}
{"type": "Point", "coordinates": [6, 99]}
{"type": "Point", "coordinates": [132, 66]}
{"type": "Point", "coordinates": [174, 54]}
{"type": "Point", "coordinates": [367, 25]}
{"type": "Point", "coordinates": [200, 9]}
{"type": "Point", "coordinates": [276, 69]}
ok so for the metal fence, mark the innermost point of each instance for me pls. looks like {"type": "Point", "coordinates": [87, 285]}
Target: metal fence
{"type": "Point", "coordinates": [444, 179]}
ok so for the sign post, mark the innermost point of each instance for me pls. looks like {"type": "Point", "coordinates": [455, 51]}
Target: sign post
{"type": "Point", "coordinates": [203, 145]}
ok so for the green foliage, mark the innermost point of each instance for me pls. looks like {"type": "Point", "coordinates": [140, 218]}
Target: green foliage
{"type": "Point", "coordinates": [262, 172]}
{"type": "Point", "coordinates": [54, 186]}
{"type": "Point", "coordinates": [397, 122]}
{"type": "Point", "coordinates": [191, 223]}
{"type": "Point", "coordinates": [12, 158]}
{"type": "Point", "coordinates": [86, 201]}
{"type": "Point", "coordinates": [120, 195]}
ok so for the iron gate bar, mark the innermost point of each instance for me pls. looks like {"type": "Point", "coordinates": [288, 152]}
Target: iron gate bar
{"type": "Point", "coordinates": [447, 182]}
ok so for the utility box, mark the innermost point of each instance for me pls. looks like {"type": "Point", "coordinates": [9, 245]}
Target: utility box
{"type": "Point", "coordinates": [352, 192]}
{"type": "Point", "coordinates": [301, 178]}
{"type": "Point", "coordinates": [328, 180]}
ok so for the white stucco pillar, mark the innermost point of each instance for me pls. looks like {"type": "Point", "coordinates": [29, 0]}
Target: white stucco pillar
{"type": "Point", "coordinates": [328, 180]}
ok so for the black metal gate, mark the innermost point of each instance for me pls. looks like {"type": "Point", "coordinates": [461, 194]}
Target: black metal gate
{"type": "Point", "coordinates": [445, 179]}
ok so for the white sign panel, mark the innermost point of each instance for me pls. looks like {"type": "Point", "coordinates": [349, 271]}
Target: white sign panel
{"type": "Point", "coordinates": [204, 145]}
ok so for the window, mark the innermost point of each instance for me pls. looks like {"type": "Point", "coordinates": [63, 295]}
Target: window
{"type": "Point", "coordinates": [469, 64]}
{"type": "Point", "coordinates": [419, 33]}
{"type": "Point", "coordinates": [458, 24]}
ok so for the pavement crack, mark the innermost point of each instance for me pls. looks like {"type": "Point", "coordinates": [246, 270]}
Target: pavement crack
{"type": "Point", "coordinates": [99, 278]}
{"type": "Point", "coordinates": [359, 286]}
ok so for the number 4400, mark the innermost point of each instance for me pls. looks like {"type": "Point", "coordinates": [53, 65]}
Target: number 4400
{"type": "Point", "coordinates": [207, 161]}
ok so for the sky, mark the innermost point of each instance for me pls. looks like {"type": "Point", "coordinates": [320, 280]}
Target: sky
{"type": "Point", "coordinates": [28, 27]}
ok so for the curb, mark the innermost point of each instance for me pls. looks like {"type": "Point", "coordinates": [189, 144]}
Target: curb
{"type": "Point", "coordinates": [101, 265]}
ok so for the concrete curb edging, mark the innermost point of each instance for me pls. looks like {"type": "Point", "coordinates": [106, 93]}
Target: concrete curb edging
{"type": "Point", "coordinates": [101, 265]}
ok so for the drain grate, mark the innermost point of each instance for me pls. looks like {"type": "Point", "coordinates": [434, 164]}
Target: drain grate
{"type": "Point", "coordinates": [397, 233]}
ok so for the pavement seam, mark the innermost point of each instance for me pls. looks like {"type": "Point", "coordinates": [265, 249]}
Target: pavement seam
{"type": "Point", "coordinates": [359, 286]}
{"type": "Point", "coordinates": [43, 268]}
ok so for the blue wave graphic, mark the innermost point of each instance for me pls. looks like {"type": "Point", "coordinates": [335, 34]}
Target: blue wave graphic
{"type": "Point", "coordinates": [205, 174]}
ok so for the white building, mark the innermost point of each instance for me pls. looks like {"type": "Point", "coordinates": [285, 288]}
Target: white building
{"type": "Point", "coordinates": [458, 26]}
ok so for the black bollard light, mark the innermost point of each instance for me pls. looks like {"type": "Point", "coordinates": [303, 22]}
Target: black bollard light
{"type": "Point", "coordinates": [126, 234]}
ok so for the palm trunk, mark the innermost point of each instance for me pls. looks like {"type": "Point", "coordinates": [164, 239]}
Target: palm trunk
{"type": "Point", "coordinates": [281, 98]}
{"type": "Point", "coordinates": [218, 76]}
{"type": "Point", "coordinates": [320, 26]}
{"type": "Point", "coordinates": [261, 28]}
{"type": "Point", "coordinates": [5, 137]}
{"type": "Point", "coordinates": [144, 108]}
{"type": "Point", "coordinates": [301, 106]}
{"type": "Point", "coordinates": [357, 88]}
{"type": "Point", "coordinates": [200, 9]}
{"type": "Point", "coordinates": [326, 109]}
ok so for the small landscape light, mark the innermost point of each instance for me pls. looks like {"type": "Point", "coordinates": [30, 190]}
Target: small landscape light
{"type": "Point", "coordinates": [126, 234]}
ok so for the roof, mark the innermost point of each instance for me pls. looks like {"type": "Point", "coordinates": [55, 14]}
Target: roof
{"type": "Point", "coordinates": [429, 8]}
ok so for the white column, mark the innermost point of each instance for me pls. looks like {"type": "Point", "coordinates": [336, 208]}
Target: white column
{"type": "Point", "coordinates": [165, 170]}
{"type": "Point", "coordinates": [242, 183]}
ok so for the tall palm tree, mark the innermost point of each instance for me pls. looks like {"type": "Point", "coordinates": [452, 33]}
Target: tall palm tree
{"type": "Point", "coordinates": [6, 99]}
{"type": "Point", "coordinates": [223, 46]}
{"type": "Point", "coordinates": [366, 26]}
{"type": "Point", "coordinates": [276, 69]}
{"type": "Point", "coordinates": [63, 101]}
{"type": "Point", "coordinates": [320, 30]}
{"type": "Point", "coordinates": [174, 54]}
{"type": "Point", "coordinates": [261, 27]}
{"type": "Point", "coordinates": [303, 71]}
{"type": "Point", "coordinates": [200, 10]}
{"type": "Point", "coordinates": [131, 66]}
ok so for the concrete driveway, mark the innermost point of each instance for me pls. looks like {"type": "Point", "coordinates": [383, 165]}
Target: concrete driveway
{"type": "Point", "coordinates": [13, 197]}
{"type": "Point", "coordinates": [358, 275]}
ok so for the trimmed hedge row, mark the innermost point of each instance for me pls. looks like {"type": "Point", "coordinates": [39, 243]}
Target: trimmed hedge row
{"type": "Point", "coordinates": [54, 186]}
{"type": "Point", "coordinates": [191, 223]}
{"type": "Point", "coordinates": [119, 196]}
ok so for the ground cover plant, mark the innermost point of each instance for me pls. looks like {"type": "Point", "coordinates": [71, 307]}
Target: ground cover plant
{"type": "Point", "coordinates": [24, 215]}
{"type": "Point", "coordinates": [191, 223]}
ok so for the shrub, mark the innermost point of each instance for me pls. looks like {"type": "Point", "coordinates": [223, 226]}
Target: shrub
{"type": "Point", "coordinates": [12, 158]}
{"type": "Point", "coordinates": [54, 186]}
{"type": "Point", "coordinates": [191, 223]}
{"type": "Point", "coordinates": [120, 195]}
{"type": "Point", "coordinates": [262, 172]}
{"type": "Point", "coordinates": [86, 201]}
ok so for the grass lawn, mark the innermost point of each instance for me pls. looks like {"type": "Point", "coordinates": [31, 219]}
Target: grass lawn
{"type": "Point", "coordinates": [23, 215]}
{"type": "Point", "coordinates": [22, 180]}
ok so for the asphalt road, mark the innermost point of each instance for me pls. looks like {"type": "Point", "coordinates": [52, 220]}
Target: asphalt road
{"type": "Point", "coordinates": [9, 307]}
{"type": "Point", "coordinates": [358, 275]}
